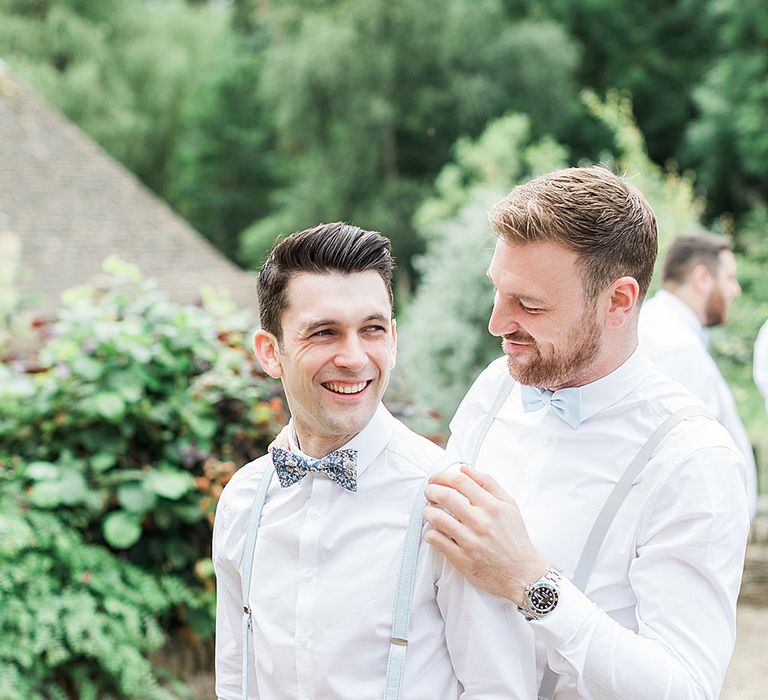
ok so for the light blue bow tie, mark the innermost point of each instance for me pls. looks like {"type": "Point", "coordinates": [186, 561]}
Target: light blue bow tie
{"type": "Point", "coordinates": [341, 466]}
{"type": "Point", "coordinates": [566, 403]}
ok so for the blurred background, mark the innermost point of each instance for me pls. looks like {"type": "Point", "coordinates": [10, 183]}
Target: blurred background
{"type": "Point", "coordinates": [151, 151]}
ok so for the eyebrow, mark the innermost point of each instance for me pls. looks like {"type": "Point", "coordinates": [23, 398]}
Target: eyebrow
{"type": "Point", "coordinates": [333, 322]}
{"type": "Point", "coordinates": [525, 298]}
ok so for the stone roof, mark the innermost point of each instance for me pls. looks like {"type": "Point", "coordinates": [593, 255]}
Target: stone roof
{"type": "Point", "coordinates": [71, 205]}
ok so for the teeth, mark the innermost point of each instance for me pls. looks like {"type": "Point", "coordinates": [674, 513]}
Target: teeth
{"type": "Point", "coordinates": [346, 388]}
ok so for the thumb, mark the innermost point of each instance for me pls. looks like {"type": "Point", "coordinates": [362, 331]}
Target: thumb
{"type": "Point", "coordinates": [487, 482]}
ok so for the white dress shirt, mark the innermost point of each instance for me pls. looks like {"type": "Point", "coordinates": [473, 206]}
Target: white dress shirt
{"type": "Point", "coordinates": [658, 618]}
{"type": "Point", "coordinates": [760, 362]}
{"type": "Point", "coordinates": [673, 337]}
{"type": "Point", "coordinates": [325, 571]}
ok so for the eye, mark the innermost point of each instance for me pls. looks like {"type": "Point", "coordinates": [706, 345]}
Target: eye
{"type": "Point", "coordinates": [375, 328]}
{"type": "Point", "coordinates": [530, 309]}
{"type": "Point", "coordinates": [322, 333]}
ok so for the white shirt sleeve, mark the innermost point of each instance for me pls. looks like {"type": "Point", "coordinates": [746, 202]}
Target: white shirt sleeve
{"type": "Point", "coordinates": [490, 646]}
{"type": "Point", "coordinates": [685, 578]}
{"type": "Point", "coordinates": [229, 613]}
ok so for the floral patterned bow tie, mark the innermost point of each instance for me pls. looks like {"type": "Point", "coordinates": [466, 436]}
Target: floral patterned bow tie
{"type": "Point", "coordinates": [341, 466]}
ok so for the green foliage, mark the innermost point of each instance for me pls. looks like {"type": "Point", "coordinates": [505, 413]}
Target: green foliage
{"type": "Point", "coordinates": [130, 418]}
{"type": "Point", "coordinates": [728, 141]}
{"type": "Point", "coordinates": [368, 98]}
{"type": "Point", "coordinates": [77, 621]}
{"type": "Point", "coordinates": [123, 70]}
{"type": "Point", "coordinates": [226, 165]}
{"type": "Point", "coordinates": [657, 52]}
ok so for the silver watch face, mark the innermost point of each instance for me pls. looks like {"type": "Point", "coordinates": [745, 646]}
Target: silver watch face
{"type": "Point", "coordinates": [543, 598]}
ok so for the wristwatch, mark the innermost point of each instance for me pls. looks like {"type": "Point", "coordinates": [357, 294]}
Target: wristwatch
{"type": "Point", "coordinates": [541, 597]}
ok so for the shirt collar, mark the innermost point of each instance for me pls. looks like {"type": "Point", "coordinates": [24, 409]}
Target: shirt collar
{"type": "Point", "coordinates": [610, 389]}
{"type": "Point", "coordinates": [369, 442]}
{"type": "Point", "coordinates": [684, 312]}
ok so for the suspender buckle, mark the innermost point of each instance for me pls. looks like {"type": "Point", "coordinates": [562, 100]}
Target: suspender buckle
{"type": "Point", "coordinates": [398, 641]}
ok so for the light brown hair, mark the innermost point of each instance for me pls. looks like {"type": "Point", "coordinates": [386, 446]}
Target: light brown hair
{"type": "Point", "coordinates": [591, 211]}
{"type": "Point", "coordinates": [690, 250]}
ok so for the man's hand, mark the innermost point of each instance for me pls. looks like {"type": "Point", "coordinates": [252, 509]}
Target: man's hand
{"type": "Point", "coordinates": [482, 533]}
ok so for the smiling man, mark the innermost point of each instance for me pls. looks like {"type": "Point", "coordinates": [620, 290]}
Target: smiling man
{"type": "Point", "coordinates": [615, 517]}
{"type": "Point", "coordinates": [317, 572]}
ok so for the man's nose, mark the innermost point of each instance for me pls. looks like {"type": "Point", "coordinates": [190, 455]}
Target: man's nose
{"type": "Point", "coordinates": [502, 320]}
{"type": "Point", "coordinates": [351, 354]}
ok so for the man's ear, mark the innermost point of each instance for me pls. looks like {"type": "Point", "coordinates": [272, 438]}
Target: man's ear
{"type": "Point", "coordinates": [701, 280]}
{"type": "Point", "coordinates": [267, 350]}
{"type": "Point", "coordinates": [624, 294]}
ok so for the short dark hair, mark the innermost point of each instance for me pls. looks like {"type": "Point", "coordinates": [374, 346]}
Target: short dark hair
{"type": "Point", "coordinates": [591, 211]}
{"type": "Point", "coordinates": [325, 248]}
{"type": "Point", "coordinates": [690, 250]}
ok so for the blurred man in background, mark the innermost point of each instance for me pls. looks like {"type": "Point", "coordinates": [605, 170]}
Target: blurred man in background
{"type": "Point", "coordinates": [698, 285]}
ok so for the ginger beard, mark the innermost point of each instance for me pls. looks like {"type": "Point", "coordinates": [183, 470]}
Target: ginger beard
{"type": "Point", "coordinates": [554, 366]}
{"type": "Point", "coordinates": [715, 309]}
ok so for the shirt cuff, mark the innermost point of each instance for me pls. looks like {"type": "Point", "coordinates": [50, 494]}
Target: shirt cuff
{"type": "Point", "coordinates": [562, 625]}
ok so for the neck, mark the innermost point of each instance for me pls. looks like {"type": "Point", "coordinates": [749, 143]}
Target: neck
{"type": "Point", "coordinates": [318, 446]}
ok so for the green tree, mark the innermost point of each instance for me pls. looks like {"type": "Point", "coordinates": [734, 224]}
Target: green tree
{"type": "Point", "coordinates": [656, 51]}
{"type": "Point", "coordinates": [728, 142]}
{"type": "Point", "coordinates": [122, 70]}
{"type": "Point", "coordinates": [369, 97]}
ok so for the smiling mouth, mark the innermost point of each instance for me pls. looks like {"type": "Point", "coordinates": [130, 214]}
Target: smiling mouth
{"type": "Point", "coordinates": [346, 387]}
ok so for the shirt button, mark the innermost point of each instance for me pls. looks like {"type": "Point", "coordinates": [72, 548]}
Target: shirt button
{"type": "Point", "coordinates": [547, 441]}
{"type": "Point", "coordinates": [314, 514]}
{"type": "Point", "coordinates": [304, 642]}
{"type": "Point", "coordinates": [309, 575]}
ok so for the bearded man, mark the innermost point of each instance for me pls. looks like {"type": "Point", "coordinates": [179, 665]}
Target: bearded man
{"type": "Point", "coordinates": [698, 285]}
{"type": "Point", "coordinates": [614, 514]}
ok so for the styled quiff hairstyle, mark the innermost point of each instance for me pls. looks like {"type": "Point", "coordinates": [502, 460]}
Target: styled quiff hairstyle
{"type": "Point", "coordinates": [690, 250]}
{"type": "Point", "coordinates": [591, 211]}
{"type": "Point", "coordinates": [325, 248]}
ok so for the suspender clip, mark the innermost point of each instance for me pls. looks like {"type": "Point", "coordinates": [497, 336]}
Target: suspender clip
{"type": "Point", "coordinates": [399, 641]}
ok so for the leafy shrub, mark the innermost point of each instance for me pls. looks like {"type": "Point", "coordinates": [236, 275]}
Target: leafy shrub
{"type": "Point", "coordinates": [130, 418]}
{"type": "Point", "coordinates": [77, 621]}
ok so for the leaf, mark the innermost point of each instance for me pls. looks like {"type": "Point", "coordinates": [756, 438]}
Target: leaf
{"type": "Point", "coordinates": [73, 487]}
{"type": "Point", "coordinates": [102, 461]}
{"type": "Point", "coordinates": [88, 368]}
{"type": "Point", "coordinates": [135, 498]}
{"type": "Point", "coordinates": [109, 405]}
{"type": "Point", "coordinates": [121, 530]}
{"type": "Point", "coordinates": [169, 484]}
{"type": "Point", "coordinates": [42, 471]}
{"type": "Point", "coordinates": [47, 494]}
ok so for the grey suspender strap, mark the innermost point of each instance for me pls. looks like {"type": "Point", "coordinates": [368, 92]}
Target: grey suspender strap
{"type": "Point", "coordinates": [246, 572]}
{"type": "Point", "coordinates": [398, 644]}
{"type": "Point", "coordinates": [607, 514]}
{"type": "Point", "coordinates": [485, 426]}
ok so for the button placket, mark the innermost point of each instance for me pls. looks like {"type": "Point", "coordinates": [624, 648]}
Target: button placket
{"type": "Point", "coordinates": [309, 553]}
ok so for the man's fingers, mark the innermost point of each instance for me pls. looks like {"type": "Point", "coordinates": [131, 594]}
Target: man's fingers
{"type": "Point", "coordinates": [487, 483]}
{"type": "Point", "coordinates": [446, 546]}
{"type": "Point", "coordinates": [445, 524]}
{"type": "Point", "coordinates": [450, 499]}
{"type": "Point", "coordinates": [463, 484]}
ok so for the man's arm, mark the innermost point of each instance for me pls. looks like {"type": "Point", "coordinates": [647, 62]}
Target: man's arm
{"type": "Point", "coordinates": [491, 649]}
{"type": "Point", "coordinates": [229, 616]}
{"type": "Point", "coordinates": [685, 580]}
